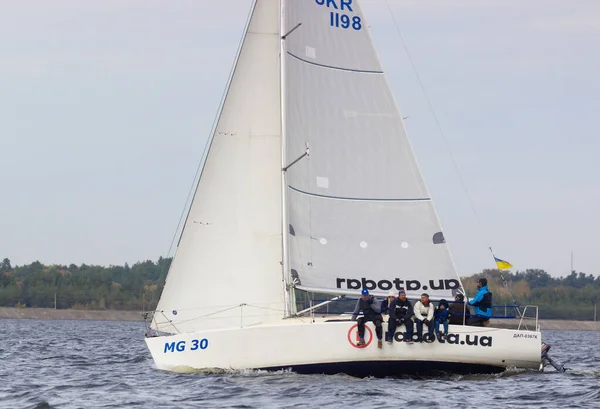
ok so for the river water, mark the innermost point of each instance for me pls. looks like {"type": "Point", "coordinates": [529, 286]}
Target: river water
{"type": "Point", "coordinates": [91, 364]}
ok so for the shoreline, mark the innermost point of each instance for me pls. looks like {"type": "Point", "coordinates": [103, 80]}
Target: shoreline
{"type": "Point", "coordinates": [69, 314]}
{"type": "Point", "coordinates": [122, 315]}
{"type": "Point", "coordinates": [563, 325]}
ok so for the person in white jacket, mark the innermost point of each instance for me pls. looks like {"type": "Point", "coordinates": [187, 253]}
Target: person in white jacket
{"type": "Point", "coordinates": [424, 310]}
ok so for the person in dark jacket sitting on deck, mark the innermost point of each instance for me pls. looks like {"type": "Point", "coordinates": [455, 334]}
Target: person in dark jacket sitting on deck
{"type": "Point", "coordinates": [371, 308]}
{"type": "Point", "coordinates": [401, 311]}
{"type": "Point", "coordinates": [459, 311]}
{"type": "Point", "coordinates": [483, 305]}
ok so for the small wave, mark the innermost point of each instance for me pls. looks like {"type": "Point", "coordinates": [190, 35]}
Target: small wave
{"type": "Point", "coordinates": [221, 371]}
{"type": "Point", "coordinates": [514, 371]}
{"type": "Point", "coordinates": [43, 405]}
{"type": "Point", "coordinates": [591, 396]}
{"type": "Point", "coordinates": [61, 357]}
{"type": "Point", "coordinates": [121, 386]}
{"type": "Point", "coordinates": [137, 359]}
{"type": "Point", "coordinates": [508, 373]}
{"type": "Point", "coordinates": [124, 359]}
{"type": "Point", "coordinates": [579, 372]}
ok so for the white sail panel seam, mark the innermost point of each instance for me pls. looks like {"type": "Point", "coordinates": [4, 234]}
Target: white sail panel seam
{"type": "Point", "coordinates": [333, 67]}
{"type": "Point", "coordinates": [361, 199]}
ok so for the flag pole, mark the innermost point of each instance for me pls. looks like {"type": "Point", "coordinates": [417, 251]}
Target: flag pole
{"type": "Point", "coordinates": [505, 283]}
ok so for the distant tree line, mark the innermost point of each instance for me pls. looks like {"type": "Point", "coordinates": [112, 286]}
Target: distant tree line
{"type": "Point", "coordinates": [138, 287]}
{"type": "Point", "coordinates": [572, 297]}
{"type": "Point", "coordinates": [135, 287]}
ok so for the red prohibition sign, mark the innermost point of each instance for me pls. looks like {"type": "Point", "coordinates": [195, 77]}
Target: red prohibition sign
{"type": "Point", "coordinates": [354, 343]}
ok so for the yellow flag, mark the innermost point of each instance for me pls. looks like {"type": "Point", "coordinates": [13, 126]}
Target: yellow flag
{"type": "Point", "coordinates": [502, 265]}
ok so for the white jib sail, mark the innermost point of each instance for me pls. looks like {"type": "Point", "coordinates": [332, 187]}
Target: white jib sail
{"type": "Point", "coordinates": [360, 214]}
{"type": "Point", "coordinates": [230, 250]}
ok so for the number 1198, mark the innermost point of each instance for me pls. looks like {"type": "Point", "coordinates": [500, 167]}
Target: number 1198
{"type": "Point", "coordinates": [344, 21]}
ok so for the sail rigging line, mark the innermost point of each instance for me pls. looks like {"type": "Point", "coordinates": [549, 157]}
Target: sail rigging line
{"type": "Point", "coordinates": [263, 308]}
{"type": "Point", "coordinates": [437, 122]}
{"type": "Point", "coordinates": [168, 321]}
{"type": "Point", "coordinates": [448, 148]}
{"type": "Point", "coordinates": [439, 127]}
{"type": "Point", "coordinates": [205, 308]}
{"type": "Point", "coordinates": [207, 315]}
{"type": "Point", "coordinates": [314, 307]}
{"type": "Point", "coordinates": [207, 145]}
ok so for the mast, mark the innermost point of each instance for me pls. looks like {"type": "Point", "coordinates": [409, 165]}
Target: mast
{"type": "Point", "coordinates": [284, 216]}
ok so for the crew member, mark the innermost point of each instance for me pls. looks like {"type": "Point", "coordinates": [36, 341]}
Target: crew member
{"type": "Point", "coordinates": [424, 315]}
{"type": "Point", "coordinates": [483, 305]}
{"type": "Point", "coordinates": [371, 309]}
{"type": "Point", "coordinates": [401, 311]}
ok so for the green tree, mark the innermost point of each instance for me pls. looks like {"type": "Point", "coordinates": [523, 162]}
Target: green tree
{"type": "Point", "coordinates": [5, 266]}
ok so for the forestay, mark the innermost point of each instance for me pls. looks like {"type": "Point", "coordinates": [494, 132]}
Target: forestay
{"type": "Point", "coordinates": [359, 211]}
{"type": "Point", "coordinates": [230, 250]}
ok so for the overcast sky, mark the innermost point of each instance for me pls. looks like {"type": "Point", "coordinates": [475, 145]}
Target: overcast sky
{"type": "Point", "coordinates": [105, 108]}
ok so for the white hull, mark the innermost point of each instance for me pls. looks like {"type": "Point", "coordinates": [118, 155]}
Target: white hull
{"type": "Point", "coordinates": [329, 347]}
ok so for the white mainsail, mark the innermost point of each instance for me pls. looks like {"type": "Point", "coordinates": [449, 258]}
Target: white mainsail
{"type": "Point", "coordinates": [230, 250]}
{"type": "Point", "coordinates": [359, 211]}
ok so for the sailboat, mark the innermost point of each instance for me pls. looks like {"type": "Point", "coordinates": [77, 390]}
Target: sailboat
{"type": "Point", "coordinates": [310, 185]}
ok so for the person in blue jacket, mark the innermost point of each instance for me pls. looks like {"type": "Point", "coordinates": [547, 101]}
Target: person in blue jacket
{"type": "Point", "coordinates": [441, 316]}
{"type": "Point", "coordinates": [483, 305]}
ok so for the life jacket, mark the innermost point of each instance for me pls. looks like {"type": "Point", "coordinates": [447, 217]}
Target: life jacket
{"type": "Point", "coordinates": [365, 306]}
{"type": "Point", "coordinates": [486, 302]}
{"type": "Point", "coordinates": [402, 309]}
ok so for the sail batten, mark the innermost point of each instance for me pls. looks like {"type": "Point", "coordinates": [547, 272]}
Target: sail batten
{"type": "Point", "coordinates": [334, 68]}
{"type": "Point", "coordinates": [368, 199]}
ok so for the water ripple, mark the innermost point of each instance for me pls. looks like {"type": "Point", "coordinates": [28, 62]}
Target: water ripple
{"type": "Point", "coordinates": [85, 364]}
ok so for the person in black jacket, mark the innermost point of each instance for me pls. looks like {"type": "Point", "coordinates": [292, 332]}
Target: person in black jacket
{"type": "Point", "coordinates": [371, 309]}
{"type": "Point", "coordinates": [459, 312]}
{"type": "Point", "coordinates": [401, 311]}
